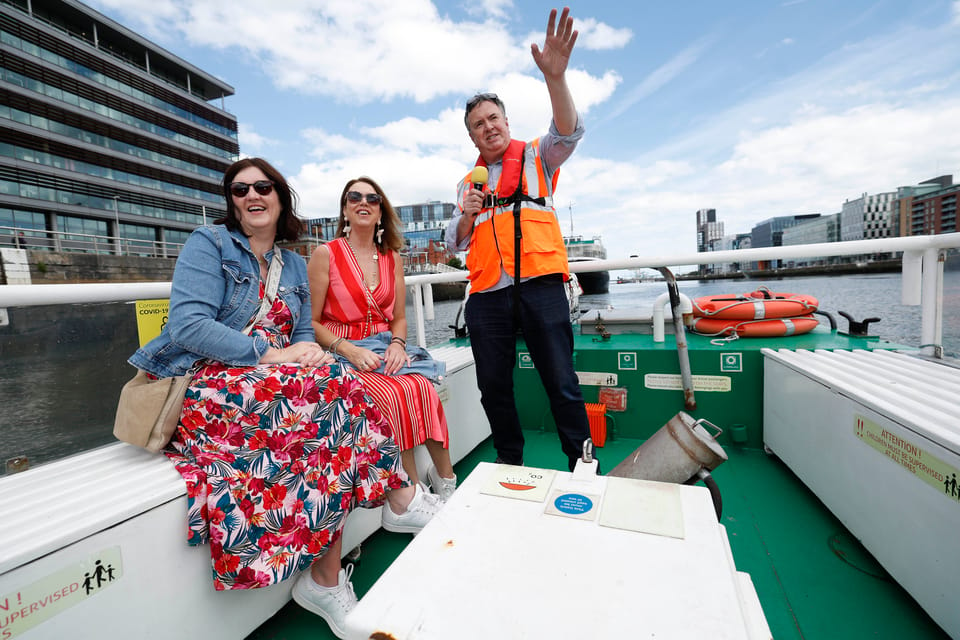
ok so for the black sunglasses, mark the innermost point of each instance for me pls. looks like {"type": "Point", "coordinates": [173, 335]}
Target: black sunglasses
{"type": "Point", "coordinates": [240, 189]}
{"type": "Point", "coordinates": [356, 196]}
{"type": "Point", "coordinates": [482, 97]}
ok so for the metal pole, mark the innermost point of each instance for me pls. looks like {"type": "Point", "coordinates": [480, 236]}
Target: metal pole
{"type": "Point", "coordinates": [116, 216]}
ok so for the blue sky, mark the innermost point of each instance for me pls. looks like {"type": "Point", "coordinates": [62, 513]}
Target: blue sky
{"type": "Point", "coordinates": [757, 109]}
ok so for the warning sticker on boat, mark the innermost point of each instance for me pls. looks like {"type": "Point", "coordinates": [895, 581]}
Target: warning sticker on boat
{"type": "Point", "coordinates": [921, 463]}
{"type": "Point", "coordinates": [571, 504]}
{"type": "Point", "coordinates": [151, 317]}
{"type": "Point", "coordinates": [673, 382]}
{"type": "Point", "coordinates": [521, 483]}
{"type": "Point", "coordinates": [34, 603]}
{"type": "Point", "coordinates": [597, 378]}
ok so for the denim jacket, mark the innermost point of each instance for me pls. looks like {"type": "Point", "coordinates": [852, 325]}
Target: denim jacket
{"type": "Point", "coordinates": [215, 294]}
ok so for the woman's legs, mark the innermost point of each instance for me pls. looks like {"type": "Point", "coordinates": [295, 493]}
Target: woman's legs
{"type": "Point", "coordinates": [439, 455]}
{"type": "Point", "coordinates": [441, 458]}
{"type": "Point", "coordinates": [410, 465]}
{"type": "Point", "coordinates": [399, 499]}
{"type": "Point", "coordinates": [325, 570]}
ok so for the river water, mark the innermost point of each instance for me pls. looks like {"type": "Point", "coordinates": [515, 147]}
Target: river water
{"type": "Point", "coordinates": [61, 368]}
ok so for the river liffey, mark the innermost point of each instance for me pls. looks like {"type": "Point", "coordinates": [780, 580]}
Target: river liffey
{"type": "Point", "coordinates": [62, 368]}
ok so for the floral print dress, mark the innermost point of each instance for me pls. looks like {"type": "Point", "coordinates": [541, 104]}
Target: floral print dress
{"type": "Point", "coordinates": [275, 456]}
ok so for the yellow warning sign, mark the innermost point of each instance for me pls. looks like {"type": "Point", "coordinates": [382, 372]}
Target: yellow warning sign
{"type": "Point", "coordinates": [935, 472]}
{"type": "Point", "coordinates": [151, 318]}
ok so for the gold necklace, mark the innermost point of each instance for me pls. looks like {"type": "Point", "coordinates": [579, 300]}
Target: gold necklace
{"type": "Point", "coordinates": [368, 321]}
{"type": "Point", "coordinates": [371, 277]}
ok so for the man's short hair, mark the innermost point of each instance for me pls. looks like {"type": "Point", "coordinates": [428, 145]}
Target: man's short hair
{"type": "Point", "coordinates": [476, 100]}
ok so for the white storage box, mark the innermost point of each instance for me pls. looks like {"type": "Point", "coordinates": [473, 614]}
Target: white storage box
{"type": "Point", "coordinates": [568, 562]}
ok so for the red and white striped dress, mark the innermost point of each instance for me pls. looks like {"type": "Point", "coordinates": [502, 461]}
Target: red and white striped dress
{"type": "Point", "coordinates": [409, 402]}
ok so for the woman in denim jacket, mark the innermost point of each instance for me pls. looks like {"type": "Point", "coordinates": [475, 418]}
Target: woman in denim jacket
{"type": "Point", "coordinates": [277, 442]}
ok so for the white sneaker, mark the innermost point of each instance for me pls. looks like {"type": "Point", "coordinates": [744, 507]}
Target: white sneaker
{"type": "Point", "coordinates": [330, 603]}
{"type": "Point", "coordinates": [423, 507]}
{"type": "Point", "coordinates": [442, 487]}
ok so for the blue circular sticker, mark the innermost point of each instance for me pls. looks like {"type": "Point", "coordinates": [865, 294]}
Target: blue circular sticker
{"type": "Point", "coordinates": [573, 503]}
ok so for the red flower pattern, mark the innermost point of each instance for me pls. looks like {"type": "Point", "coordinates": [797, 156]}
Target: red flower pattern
{"type": "Point", "coordinates": [278, 449]}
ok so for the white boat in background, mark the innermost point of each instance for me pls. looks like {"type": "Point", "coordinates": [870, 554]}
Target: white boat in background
{"type": "Point", "coordinates": [580, 250]}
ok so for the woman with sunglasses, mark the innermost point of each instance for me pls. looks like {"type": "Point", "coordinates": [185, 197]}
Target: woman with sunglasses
{"type": "Point", "coordinates": [359, 313]}
{"type": "Point", "coordinates": [277, 443]}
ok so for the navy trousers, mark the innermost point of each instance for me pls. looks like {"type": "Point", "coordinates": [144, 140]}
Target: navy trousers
{"type": "Point", "coordinates": [544, 319]}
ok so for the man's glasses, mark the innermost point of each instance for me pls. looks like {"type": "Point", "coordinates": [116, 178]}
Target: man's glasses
{"type": "Point", "coordinates": [356, 196]}
{"type": "Point", "coordinates": [240, 189]}
{"type": "Point", "coordinates": [482, 97]}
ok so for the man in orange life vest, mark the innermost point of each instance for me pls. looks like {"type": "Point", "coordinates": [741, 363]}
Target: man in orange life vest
{"type": "Point", "coordinates": [513, 215]}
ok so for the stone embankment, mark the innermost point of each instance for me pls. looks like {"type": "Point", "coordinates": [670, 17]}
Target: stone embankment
{"type": "Point", "coordinates": [47, 267]}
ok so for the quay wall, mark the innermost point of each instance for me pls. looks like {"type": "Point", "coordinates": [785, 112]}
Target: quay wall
{"type": "Point", "coordinates": [878, 266]}
{"type": "Point", "coordinates": [48, 267]}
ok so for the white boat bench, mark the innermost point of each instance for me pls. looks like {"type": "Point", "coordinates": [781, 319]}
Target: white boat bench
{"type": "Point", "coordinates": [126, 507]}
{"type": "Point", "coordinates": [875, 435]}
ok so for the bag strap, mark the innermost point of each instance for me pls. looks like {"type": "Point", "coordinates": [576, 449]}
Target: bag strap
{"type": "Point", "coordinates": [273, 283]}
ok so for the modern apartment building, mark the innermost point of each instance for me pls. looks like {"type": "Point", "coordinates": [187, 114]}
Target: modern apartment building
{"type": "Point", "coordinates": [709, 230]}
{"type": "Point", "coordinates": [931, 207]}
{"type": "Point", "coordinates": [869, 216]}
{"type": "Point", "coordinates": [104, 134]}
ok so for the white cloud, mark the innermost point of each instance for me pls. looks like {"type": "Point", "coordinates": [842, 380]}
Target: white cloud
{"type": "Point", "coordinates": [597, 35]}
{"type": "Point", "coordinates": [251, 142]}
{"type": "Point", "coordinates": [357, 52]}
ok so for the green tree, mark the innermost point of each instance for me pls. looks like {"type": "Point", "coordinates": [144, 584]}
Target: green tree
{"type": "Point", "coordinates": [455, 263]}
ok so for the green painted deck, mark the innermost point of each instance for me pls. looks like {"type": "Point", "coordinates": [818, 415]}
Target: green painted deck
{"type": "Point", "coordinates": [814, 580]}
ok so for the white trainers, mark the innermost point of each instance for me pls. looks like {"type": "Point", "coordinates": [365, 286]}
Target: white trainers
{"type": "Point", "coordinates": [423, 507]}
{"type": "Point", "coordinates": [330, 603]}
{"type": "Point", "coordinates": [442, 487]}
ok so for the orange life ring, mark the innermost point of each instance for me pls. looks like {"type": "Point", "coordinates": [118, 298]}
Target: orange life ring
{"type": "Point", "coordinates": [756, 305]}
{"type": "Point", "coordinates": [771, 328]}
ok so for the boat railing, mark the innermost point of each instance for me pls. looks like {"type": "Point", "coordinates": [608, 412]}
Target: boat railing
{"type": "Point", "coordinates": [922, 267]}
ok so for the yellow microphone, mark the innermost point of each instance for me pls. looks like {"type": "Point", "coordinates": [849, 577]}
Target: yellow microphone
{"type": "Point", "coordinates": [479, 177]}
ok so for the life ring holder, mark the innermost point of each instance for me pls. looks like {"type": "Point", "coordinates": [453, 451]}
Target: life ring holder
{"type": "Point", "coordinates": [761, 304]}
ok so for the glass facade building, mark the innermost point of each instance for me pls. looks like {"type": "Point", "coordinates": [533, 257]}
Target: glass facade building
{"type": "Point", "coordinates": [108, 143]}
{"type": "Point", "coordinates": [424, 222]}
{"type": "Point", "coordinates": [423, 226]}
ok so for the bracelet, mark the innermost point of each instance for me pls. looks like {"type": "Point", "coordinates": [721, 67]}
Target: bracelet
{"type": "Point", "coordinates": [399, 339]}
{"type": "Point", "coordinates": [334, 345]}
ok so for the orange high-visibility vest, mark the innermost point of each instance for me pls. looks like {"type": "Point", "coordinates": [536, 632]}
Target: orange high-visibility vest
{"type": "Point", "coordinates": [491, 246]}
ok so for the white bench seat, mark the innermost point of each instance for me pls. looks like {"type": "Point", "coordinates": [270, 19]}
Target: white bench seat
{"type": "Point", "coordinates": [874, 434]}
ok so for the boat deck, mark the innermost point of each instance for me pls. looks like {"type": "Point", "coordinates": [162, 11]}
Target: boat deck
{"type": "Point", "coordinates": [813, 578]}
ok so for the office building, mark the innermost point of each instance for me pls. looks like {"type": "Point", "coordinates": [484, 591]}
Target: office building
{"type": "Point", "coordinates": [108, 143]}
{"type": "Point", "coordinates": [869, 216]}
{"type": "Point", "coordinates": [929, 208]}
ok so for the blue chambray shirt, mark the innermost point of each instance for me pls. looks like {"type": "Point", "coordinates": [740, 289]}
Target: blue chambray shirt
{"type": "Point", "coordinates": [215, 293]}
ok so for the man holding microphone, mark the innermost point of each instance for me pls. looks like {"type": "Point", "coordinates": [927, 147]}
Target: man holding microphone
{"type": "Point", "coordinates": [517, 260]}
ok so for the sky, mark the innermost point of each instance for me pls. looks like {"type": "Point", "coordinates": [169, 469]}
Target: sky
{"type": "Point", "coordinates": [753, 108]}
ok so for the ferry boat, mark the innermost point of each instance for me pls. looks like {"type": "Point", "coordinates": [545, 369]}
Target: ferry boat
{"type": "Point", "coordinates": [833, 515]}
{"type": "Point", "coordinates": [580, 253]}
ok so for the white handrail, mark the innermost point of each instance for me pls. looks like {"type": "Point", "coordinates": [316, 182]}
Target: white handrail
{"type": "Point", "coordinates": [928, 279]}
